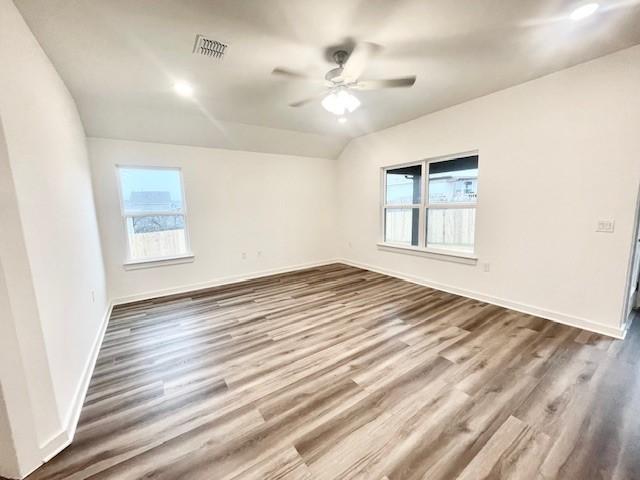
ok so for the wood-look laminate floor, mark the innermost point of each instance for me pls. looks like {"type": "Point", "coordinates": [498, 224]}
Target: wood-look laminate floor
{"type": "Point", "coordinates": [340, 373]}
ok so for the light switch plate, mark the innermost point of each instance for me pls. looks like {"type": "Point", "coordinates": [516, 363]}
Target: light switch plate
{"type": "Point", "coordinates": [605, 226]}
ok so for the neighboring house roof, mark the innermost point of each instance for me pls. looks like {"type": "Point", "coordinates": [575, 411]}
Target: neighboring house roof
{"type": "Point", "coordinates": [150, 198]}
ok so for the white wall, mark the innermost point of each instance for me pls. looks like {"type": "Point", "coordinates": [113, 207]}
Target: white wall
{"type": "Point", "coordinates": [282, 206]}
{"type": "Point", "coordinates": [14, 391]}
{"type": "Point", "coordinates": [25, 379]}
{"type": "Point", "coordinates": [177, 127]}
{"type": "Point", "coordinates": [8, 458]}
{"type": "Point", "coordinates": [556, 154]}
{"type": "Point", "coordinates": [51, 255]}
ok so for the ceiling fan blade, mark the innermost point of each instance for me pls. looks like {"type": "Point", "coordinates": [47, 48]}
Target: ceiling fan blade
{"type": "Point", "coordinates": [385, 83]}
{"type": "Point", "coordinates": [285, 72]}
{"type": "Point", "coordinates": [305, 101]}
{"type": "Point", "coordinates": [357, 61]}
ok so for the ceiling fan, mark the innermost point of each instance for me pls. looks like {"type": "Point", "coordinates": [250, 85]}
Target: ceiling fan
{"type": "Point", "coordinates": [345, 78]}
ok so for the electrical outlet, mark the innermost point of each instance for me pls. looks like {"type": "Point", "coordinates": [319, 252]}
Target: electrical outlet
{"type": "Point", "coordinates": [350, 245]}
{"type": "Point", "coordinates": [244, 255]}
{"type": "Point", "coordinates": [93, 296]}
{"type": "Point", "coordinates": [259, 253]}
{"type": "Point", "coordinates": [605, 226]}
{"type": "Point", "coordinates": [486, 267]}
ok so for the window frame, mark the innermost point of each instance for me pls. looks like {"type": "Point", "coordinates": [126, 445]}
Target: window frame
{"type": "Point", "coordinates": [423, 206]}
{"type": "Point", "coordinates": [135, 263]}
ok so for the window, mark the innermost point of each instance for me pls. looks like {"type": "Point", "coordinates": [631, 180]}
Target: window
{"type": "Point", "coordinates": [431, 205]}
{"type": "Point", "coordinates": [153, 212]}
{"type": "Point", "coordinates": [402, 205]}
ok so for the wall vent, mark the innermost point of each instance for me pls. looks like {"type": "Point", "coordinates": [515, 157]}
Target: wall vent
{"type": "Point", "coordinates": [209, 48]}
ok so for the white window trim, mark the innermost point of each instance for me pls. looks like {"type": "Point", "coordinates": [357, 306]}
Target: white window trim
{"type": "Point", "coordinates": [447, 255]}
{"type": "Point", "coordinates": [422, 249]}
{"type": "Point", "coordinates": [158, 262]}
{"type": "Point", "coordinates": [130, 263]}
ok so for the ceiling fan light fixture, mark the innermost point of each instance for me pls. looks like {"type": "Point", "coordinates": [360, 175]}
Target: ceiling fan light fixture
{"type": "Point", "coordinates": [341, 101]}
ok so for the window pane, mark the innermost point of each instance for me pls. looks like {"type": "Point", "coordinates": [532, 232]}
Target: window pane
{"type": "Point", "coordinates": [156, 236]}
{"type": "Point", "coordinates": [403, 185]}
{"type": "Point", "coordinates": [451, 228]}
{"type": "Point", "coordinates": [454, 181]}
{"type": "Point", "coordinates": [147, 190]}
{"type": "Point", "coordinates": [401, 225]}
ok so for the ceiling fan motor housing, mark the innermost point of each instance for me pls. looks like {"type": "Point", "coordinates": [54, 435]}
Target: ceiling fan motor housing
{"type": "Point", "coordinates": [340, 57]}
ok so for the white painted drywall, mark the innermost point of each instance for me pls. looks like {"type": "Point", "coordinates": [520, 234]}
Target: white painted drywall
{"type": "Point", "coordinates": [280, 205]}
{"type": "Point", "coordinates": [175, 126]}
{"type": "Point", "coordinates": [556, 154]}
{"type": "Point", "coordinates": [51, 253]}
{"type": "Point", "coordinates": [24, 373]}
{"type": "Point", "coordinates": [14, 396]}
{"type": "Point", "coordinates": [8, 458]}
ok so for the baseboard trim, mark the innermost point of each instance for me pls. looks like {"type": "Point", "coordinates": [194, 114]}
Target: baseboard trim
{"type": "Point", "coordinates": [558, 317]}
{"type": "Point", "coordinates": [64, 438]}
{"type": "Point", "coordinates": [216, 282]}
{"type": "Point", "coordinates": [81, 392]}
{"type": "Point", "coordinates": [54, 445]}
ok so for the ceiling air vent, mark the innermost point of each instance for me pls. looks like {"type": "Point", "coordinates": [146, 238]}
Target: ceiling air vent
{"type": "Point", "coordinates": [209, 48]}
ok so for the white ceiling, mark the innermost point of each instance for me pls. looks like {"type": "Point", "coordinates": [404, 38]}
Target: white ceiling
{"type": "Point", "coordinates": [120, 59]}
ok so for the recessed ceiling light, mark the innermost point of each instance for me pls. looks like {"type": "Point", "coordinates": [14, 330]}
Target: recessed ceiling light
{"type": "Point", "coordinates": [584, 11]}
{"type": "Point", "coordinates": [342, 120]}
{"type": "Point", "coordinates": [183, 89]}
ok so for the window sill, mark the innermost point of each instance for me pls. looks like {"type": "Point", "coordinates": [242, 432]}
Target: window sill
{"type": "Point", "coordinates": [158, 262]}
{"type": "Point", "coordinates": [444, 255]}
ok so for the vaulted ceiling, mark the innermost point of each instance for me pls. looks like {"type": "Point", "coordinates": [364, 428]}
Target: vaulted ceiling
{"type": "Point", "coordinates": [121, 58]}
